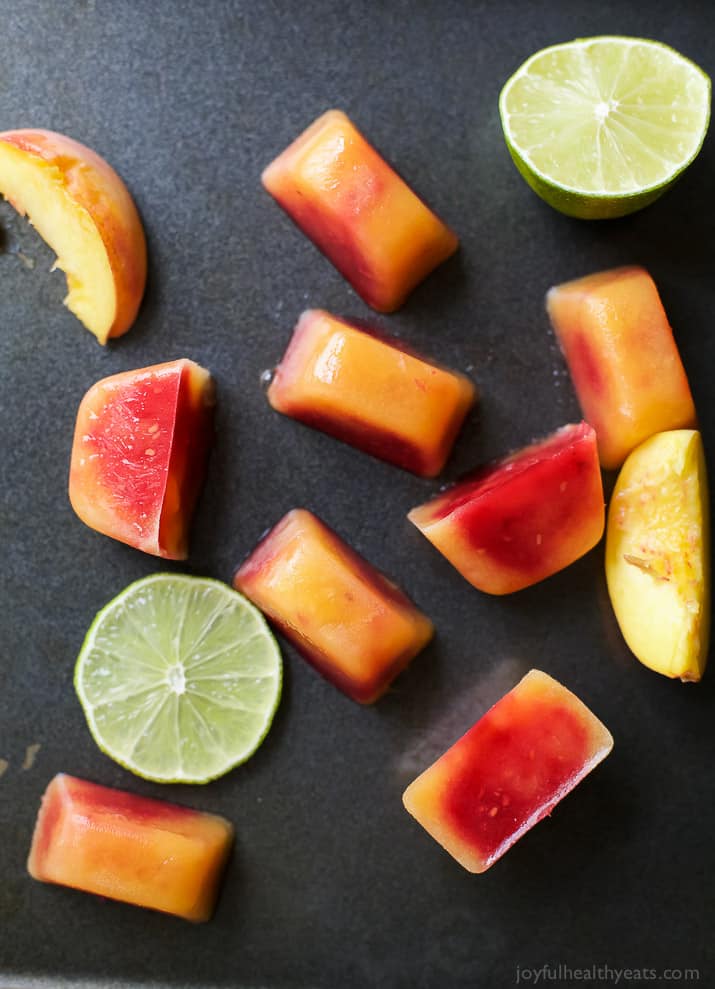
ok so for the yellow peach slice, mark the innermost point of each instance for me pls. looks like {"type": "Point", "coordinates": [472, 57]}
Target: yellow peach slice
{"type": "Point", "coordinates": [658, 554]}
{"type": "Point", "coordinates": [82, 209]}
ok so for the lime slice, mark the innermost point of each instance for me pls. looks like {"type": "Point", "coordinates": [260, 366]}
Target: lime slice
{"type": "Point", "coordinates": [179, 678]}
{"type": "Point", "coordinates": [600, 127]}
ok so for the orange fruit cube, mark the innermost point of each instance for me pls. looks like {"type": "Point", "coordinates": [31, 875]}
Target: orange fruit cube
{"type": "Point", "coordinates": [345, 617]}
{"type": "Point", "coordinates": [358, 211]}
{"type": "Point", "coordinates": [147, 852]}
{"type": "Point", "coordinates": [623, 360]}
{"type": "Point", "coordinates": [369, 391]}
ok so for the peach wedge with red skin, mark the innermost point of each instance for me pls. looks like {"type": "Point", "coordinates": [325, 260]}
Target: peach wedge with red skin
{"type": "Point", "coordinates": [146, 852]}
{"type": "Point", "coordinates": [139, 455]}
{"type": "Point", "coordinates": [508, 771]}
{"type": "Point", "coordinates": [623, 360]}
{"type": "Point", "coordinates": [369, 391]}
{"type": "Point", "coordinates": [515, 522]}
{"type": "Point", "coordinates": [358, 211]}
{"type": "Point", "coordinates": [658, 554]}
{"type": "Point", "coordinates": [82, 209]}
{"type": "Point", "coordinates": [346, 618]}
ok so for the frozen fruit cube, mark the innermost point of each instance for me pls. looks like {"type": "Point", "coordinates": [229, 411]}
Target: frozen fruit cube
{"type": "Point", "coordinates": [508, 771]}
{"type": "Point", "coordinates": [358, 211]}
{"type": "Point", "coordinates": [515, 522]}
{"type": "Point", "coordinates": [623, 360]}
{"type": "Point", "coordinates": [347, 619]}
{"type": "Point", "coordinates": [147, 852]}
{"type": "Point", "coordinates": [370, 391]}
{"type": "Point", "coordinates": [140, 452]}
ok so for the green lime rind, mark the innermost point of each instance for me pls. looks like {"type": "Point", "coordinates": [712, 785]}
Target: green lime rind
{"type": "Point", "coordinates": [573, 198]}
{"type": "Point", "coordinates": [587, 207]}
{"type": "Point", "coordinates": [179, 678]}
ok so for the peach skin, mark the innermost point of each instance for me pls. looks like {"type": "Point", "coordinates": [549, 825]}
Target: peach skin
{"type": "Point", "coordinates": [508, 771]}
{"type": "Point", "coordinates": [371, 392]}
{"type": "Point", "coordinates": [347, 619]}
{"type": "Point", "coordinates": [82, 209]}
{"type": "Point", "coordinates": [358, 211]}
{"type": "Point", "coordinates": [146, 852]}
{"type": "Point", "coordinates": [623, 360]}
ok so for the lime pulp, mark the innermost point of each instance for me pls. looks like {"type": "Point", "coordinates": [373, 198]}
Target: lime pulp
{"type": "Point", "coordinates": [179, 678]}
{"type": "Point", "coordinates": [600, 127]}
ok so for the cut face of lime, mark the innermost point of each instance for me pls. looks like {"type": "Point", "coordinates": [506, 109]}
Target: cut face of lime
{"type": "Point", "coordinates": [601, 127]}
{"type": "Point", "coordinates": [179, 678]}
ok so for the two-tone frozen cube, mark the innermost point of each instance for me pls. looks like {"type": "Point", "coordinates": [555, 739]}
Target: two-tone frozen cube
{"type": "Point", "coordinates": [508, 771]}
{"type": "Point", "coordinates": [142, 851]}
{"type": "Point", "coordinates": [361, 214]}
{"type": "Point", "coordinates": [372, 392]}
{"type": "Point", "coordinates": [346, 618]}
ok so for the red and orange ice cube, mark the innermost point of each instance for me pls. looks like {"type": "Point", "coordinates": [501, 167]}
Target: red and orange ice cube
{"type": "Point", "coordinates": [508, 771]}
{"type": "Point", "coordinates": [358, 211]}
{"type": "Point", "coordinates": [515, 522]}
{"type": "Point", "coordinates": [623, 360]}
{"type": "Point", "coordinates": [370, 391]}
{"type": "Point", "coordinates": [139, 456]}
{"type": "Point", "coordinates": [345, 617]}
{"type": "Point", "coordinates": [142, 851]}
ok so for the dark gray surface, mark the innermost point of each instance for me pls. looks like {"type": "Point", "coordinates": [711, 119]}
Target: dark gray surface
{"type": "Point", "coordinates": [332, 884]}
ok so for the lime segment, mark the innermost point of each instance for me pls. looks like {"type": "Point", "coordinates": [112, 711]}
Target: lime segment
{"type": "Point", "coordinates": [179, 678]}
{"type": "Point", "coordinates": [600, 127]}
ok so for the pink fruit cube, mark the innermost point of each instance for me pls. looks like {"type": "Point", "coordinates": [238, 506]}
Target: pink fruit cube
{"type": "Point", "coordinates": [508, 772]}
{"type": "Point", "coordinates": [515, 522]}
{"type": "Point", "coordinates": [140, 453]}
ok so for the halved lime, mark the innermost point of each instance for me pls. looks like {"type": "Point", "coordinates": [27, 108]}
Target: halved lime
{"type": "Point", "coordinates": [179, 678]}
{"type": "Point", "coordinates": [600, 127]}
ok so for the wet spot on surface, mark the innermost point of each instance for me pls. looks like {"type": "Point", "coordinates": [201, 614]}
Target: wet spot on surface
{"type": "Point", "coordinates": [30, 755]}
